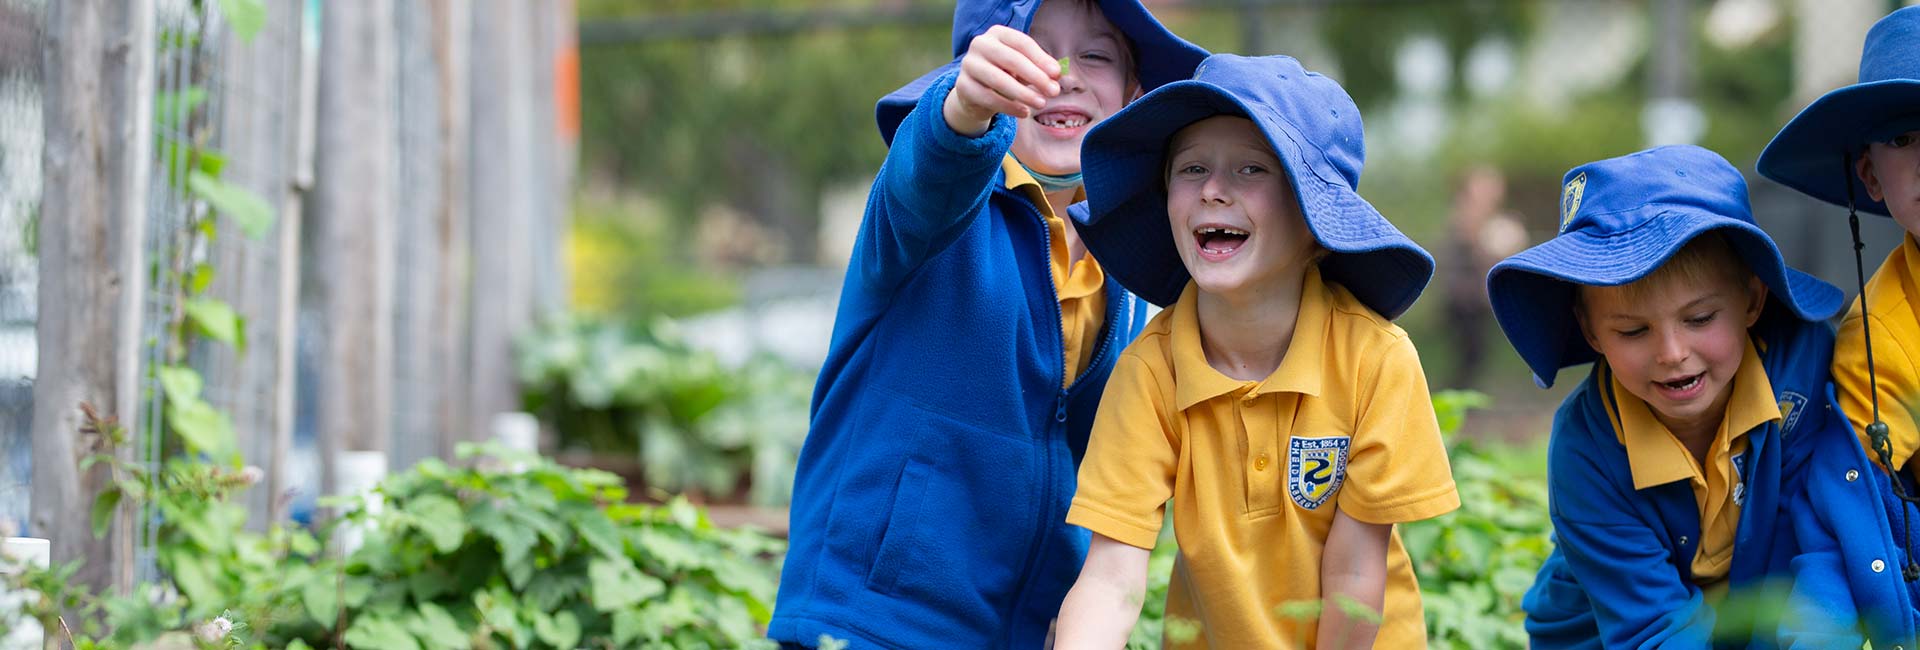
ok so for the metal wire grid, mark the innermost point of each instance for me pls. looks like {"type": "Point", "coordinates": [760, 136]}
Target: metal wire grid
{"type": "Point", "coordinates": [185, 68]}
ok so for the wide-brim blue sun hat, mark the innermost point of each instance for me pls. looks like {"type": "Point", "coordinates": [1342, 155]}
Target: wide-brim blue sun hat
{"type": "Point", "coordinates": [1621, 218]}
{"type": "Point", "coordinates": [1814, 152]}
{"type": "Point", "coordinates": [1314, 129]}
{"type": "Point", "coordinates": [1160, 57]}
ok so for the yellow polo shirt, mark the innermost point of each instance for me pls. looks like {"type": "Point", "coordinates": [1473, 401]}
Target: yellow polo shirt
{"type": "Point", "coordinates": [1083, 306]}
{"type": "Point", "coordinates": [1656, 457]}
{"type": "Point", "coordinates": [1255, 469]}
{"type": "Point", "coordinates": [1896, 341]}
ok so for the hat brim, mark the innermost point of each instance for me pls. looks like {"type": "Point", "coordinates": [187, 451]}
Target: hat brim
{"type": "Point", "coordinates": [1533, 292]}
{"type": "Point", "coordinates": [1813, 152]}
{"type": "Point", "coordinates": [1126, 226]}
{"type": "Point", "coordinates": [1161, 57]}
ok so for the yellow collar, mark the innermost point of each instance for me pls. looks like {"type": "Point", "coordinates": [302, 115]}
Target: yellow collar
{"type": "Point", "coordinates": [1019, 180]}
{"type": "Point", "coordinates": [1300, 372]}
{"type": "Point", "coordinates": [1654, 455]}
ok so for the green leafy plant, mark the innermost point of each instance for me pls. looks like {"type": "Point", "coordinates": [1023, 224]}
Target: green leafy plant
{"type": "Point", "coordinates": [643, 393]}
{"type": "Point", "coordinates": [520, 552]}
{"type": "Point", "coordinates": [1476, 563]}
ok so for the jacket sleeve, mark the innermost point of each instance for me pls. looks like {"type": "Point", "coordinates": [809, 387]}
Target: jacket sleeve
{"type": "Point", "coordinates": [1821, 612]}
{"type": "Point", "coordinates": [932, 186]}
{"type": "Point", "coordinates": [1618, 557]}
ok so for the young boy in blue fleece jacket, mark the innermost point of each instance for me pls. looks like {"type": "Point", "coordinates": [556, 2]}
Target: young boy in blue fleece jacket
{"type": "Point", "coordinates": [1859, 147]}
{"type": "Point", "coordinates": [1669, 466]}
{"type": "Point", "coordinates": [972, 342]}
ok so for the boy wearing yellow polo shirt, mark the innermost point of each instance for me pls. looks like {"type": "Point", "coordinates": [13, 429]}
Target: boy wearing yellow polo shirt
{"type": "Point", "coordinates": [1859, 147]}
{"type": "Point", "coordinates": [1669, 466]}
{"type": "Point", "coordinates": [1273, 402]}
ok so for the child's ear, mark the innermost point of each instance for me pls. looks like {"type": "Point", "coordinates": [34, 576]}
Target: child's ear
{"type": "Point", "coordinates": [1864, 167]}
{"type": "Point", "coordinates": [1756, 299]}
{"type": "Point", "coordinates": [1580, 316]}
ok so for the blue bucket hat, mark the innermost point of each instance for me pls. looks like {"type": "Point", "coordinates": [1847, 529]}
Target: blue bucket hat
{"type": "Point", "coordinates": [1160, 57]}
{"type": "Point", "coordinates": [1620, 219]}
{"type": "Point", "coordinates": [1311, 125]}
{"type": "Point", "coordinates": [1814, 152]}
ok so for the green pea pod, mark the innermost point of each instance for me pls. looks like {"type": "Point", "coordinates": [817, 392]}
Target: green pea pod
{"type": "Point", "coordinates": [1063, 65]}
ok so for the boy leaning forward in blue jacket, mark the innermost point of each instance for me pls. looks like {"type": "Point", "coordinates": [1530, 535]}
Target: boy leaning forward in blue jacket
{"type": "Point", "coordinates": [973, 339]}
{"type": "Point", "coordinates": [1669, 467]}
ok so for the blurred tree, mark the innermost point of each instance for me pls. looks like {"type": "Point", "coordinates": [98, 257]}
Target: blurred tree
{"type": "Point", "coordinates": [760, 124]}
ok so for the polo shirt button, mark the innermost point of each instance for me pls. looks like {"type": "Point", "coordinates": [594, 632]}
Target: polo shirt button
{"type": "Point", "coordinates": [1260, 463]}
{"type": "Point", "coordinates": [1683, 540]}
{"type": "Point", "coordinates": [1879, 566]}
{"type": "Point", "coordinates": [1853, 475]}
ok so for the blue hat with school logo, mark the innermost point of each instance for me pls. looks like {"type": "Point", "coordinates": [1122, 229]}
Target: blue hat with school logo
{"type": "Point", "coordinates": [1160, 57]}
{"type": "Point", "coordinates": [1814, 152]}
{"type": "Point", "coordinates": [1620, 219]}
{"type": "Point", "coordinates": [1314, 129]}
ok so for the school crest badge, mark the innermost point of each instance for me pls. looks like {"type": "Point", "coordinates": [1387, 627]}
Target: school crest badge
{"type": "Point", "coordinates": [1315, 468]}
{"type": "Point", "coordinates": [1570, 199]}
{"type": "Point", "coordinates": [1791, 405]}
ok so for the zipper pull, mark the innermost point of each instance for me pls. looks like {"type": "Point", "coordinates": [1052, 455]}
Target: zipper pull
{"type": "Point", "coordinates": [1060, 407]}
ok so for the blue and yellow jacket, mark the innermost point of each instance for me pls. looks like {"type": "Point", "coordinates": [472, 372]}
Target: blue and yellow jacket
{"type": "Point", "coordinates": [1848, 587]}
{"type": "Point", "coordinates": [929, 507]}
{"type": "Point", "coordinates": [1620, 575]}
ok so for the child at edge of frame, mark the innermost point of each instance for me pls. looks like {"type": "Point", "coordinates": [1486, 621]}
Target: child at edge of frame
{"type": "Point", "coordinates": [1674, 466]}
{"type": "Point", "coordinates": [1858, 147]}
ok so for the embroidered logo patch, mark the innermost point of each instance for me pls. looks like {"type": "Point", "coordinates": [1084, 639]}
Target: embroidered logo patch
{"type": "Point", "coordinates": [1570, 199]}
{"type": "Point", "coordinates": [1792, 404]}
{"type": "Point", "coordinates": [1315, 468]}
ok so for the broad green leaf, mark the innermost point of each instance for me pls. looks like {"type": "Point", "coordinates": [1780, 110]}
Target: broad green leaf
{"type": "Point", "coordinates": [297, 644]}
{"type": "Point", "coordinates": [560, 630]}
{"type": "Point", "coordinates": [196, 580]}
{"type": "Point", "coordinates": [203, 427]}
{"type": "Point", "coordinates": [180, 384]}
{"type": "Point", "coordinates": [515, 542]}
{"type": "Point", "coordinates": [379, 633]}
{"type": "Point", "coordinates": [439, 517]}
{"type": "Point", "coordinates": [321, 595]}
{"type": "Point", "coordinates": [103, 509]}
{"type": "Point", "coordinates": [246, 16]}
{"type": "Point", "coordinates": [216, 320]}
{"type": "Point", "coordinates": [246, 209]}
{"type": "Point", "coordinates": [598, 531]}
{"type": "Point", "coordinates": [437, 629]}
{"type": "Point", "coordinates": [616, 584]}
{"type": "Point", "coordinates": [199, 278]}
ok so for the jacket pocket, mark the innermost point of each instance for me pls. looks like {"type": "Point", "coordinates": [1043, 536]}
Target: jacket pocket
{"type": "Point", "coordinates": [899, 544]}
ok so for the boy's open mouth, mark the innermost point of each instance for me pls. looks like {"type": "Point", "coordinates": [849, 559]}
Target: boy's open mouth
{"type": "Point", "coordinates": [1062, 119]}
{"type": "Point", "coordinates": [1219, 242]}
{"type": "Point", "coordinates": [1684, 384]}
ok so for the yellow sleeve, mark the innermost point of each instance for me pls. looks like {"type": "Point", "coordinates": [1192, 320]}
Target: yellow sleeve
{"type": "Point", "coordinates": [1397, 470]}
{"type": "Point", "coordinates": [1894, 372]}
{"type": "Point", "coordinates": [1127, 476]}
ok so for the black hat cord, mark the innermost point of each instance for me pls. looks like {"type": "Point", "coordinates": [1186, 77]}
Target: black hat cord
{"type": "Point", "coordinates": [1877, 430]}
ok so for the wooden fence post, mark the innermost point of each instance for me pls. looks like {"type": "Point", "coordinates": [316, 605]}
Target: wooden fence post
{"type": "Point", "coordinates": [98, 105]}
{"type": "Point", "coordinates": [354, 206]}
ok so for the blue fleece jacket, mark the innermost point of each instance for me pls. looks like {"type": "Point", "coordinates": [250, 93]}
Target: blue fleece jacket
{"type": "Point", "coordinates": [1620, 575]}
{"type": "Point", "coordinates": [1848, 587]}
{"type": "Point", "coordinates": [930, 501]}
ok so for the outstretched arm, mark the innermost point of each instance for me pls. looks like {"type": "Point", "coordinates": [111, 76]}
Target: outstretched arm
{"type": "Point", "coordinates": [1103, 605]}
{"type": "Point", "coordinates": [1354, 565]}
